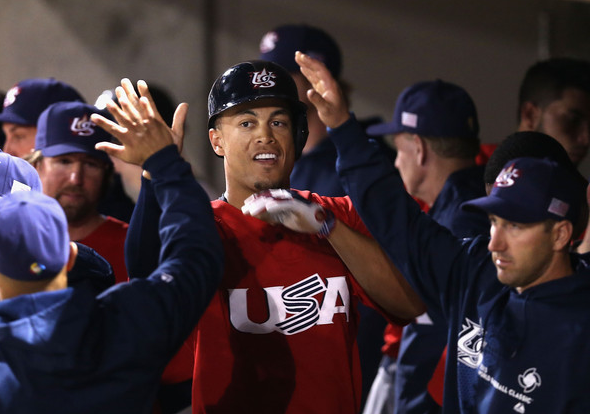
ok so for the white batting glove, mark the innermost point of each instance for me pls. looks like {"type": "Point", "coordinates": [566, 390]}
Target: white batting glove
{"type": "Point", "coordinates": [293, 212]}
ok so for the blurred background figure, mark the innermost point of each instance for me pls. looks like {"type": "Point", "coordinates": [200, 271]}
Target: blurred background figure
{"type": "Point", "coordinates": [554, 98]}
{"type": "Point", "coordinates": [22, 106]}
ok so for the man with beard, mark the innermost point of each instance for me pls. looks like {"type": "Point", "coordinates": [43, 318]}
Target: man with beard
{"type": "Point", "coordinates": [77, 175]}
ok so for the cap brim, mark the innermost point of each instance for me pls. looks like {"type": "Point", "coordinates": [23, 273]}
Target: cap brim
{"type": "Point", "coordinates": [13, 118]}
{"type": "Point", "coordinates": [502, 208]}
{"type": "Point", "coordinates": [382, 129]}
{"type": "Point", "coordinates": [61, 149]}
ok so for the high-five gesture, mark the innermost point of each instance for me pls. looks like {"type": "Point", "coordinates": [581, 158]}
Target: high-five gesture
{"type": "Point", "coordinates": [140, 128]}
{"type": "Point", "coordinates": [326, 94]}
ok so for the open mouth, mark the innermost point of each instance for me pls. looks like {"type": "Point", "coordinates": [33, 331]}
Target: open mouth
{"type": "Point", "coordinates": [266, 156]}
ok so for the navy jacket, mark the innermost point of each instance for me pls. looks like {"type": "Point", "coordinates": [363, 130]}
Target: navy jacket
{"type": "Point", "coordinates": [423, 341]}
{"type": "Point", "coordinates": [508, 352]}
{"type": "Point", "coordinates": [70, 351]}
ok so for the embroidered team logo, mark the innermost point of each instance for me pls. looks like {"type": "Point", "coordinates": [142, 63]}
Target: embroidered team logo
{"type": "Point", "coordinates": [268, 42]}
{"type": "Point", "coordinates": [292, 309]}
{"type": "Point", "coordinates": [263, 79]}
{"type": "Point", "coordinates": [507, 177]}
{"type": "Point", "coordinates": [470, 344]}
{"type": "Point", "coordinates": [11, 96]}
{"type": "Point", "coordinates": [529, 380]}
{"type": "Point", "coordinates": [82, 126]}
{"type": "Point", "coordinates": [36, 268]}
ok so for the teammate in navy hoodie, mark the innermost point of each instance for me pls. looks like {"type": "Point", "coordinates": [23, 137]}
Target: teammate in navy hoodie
{"type": "Point", "coordinates": [519, 323]}
{"type": "Point", "coordinates": [66, 350]}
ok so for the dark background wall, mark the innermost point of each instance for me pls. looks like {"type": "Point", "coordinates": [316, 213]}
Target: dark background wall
{"type": "Point", "coordinates": [485, 46]}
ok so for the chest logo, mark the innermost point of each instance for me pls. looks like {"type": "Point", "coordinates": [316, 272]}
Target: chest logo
{"type": "Point", "coordinates": [470, 344]}
{"type": "Point", "coordinates": [529, 380]}
{"type": "Point", "coordinates": [293, 309]}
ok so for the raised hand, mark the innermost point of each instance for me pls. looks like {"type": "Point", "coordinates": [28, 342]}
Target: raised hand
{"type": "Point", "coordinates": [140, 128]}
{"type": "Point", "coordinates": [325, 94]}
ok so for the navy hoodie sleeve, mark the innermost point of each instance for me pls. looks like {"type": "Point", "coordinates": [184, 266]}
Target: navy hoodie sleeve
{"type": "Point", "coordinates": [426, 253]}
{"type": "Point", "coordinates": [158, 313]}
{"type": "Point", "coordinates": [91, 269]}
{"type": "Point", "coordinates": [142, 245]}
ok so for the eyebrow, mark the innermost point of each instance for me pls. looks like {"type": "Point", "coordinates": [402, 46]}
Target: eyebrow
{"type": "Point", "coordinates": [282, 111]}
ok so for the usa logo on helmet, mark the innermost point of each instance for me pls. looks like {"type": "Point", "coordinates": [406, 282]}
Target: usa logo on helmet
{"type": "Point", "coordinates": [263, 79]}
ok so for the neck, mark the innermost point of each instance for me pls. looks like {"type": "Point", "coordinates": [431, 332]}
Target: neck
{"type": "Point", "coordinates": [559, 267]}
{"type": "Point", "coordinates": [83, 228]}
{"type": "Point", "coordinates": [10, 288]}
{"type": "Point", "coordinates": [437, 175]}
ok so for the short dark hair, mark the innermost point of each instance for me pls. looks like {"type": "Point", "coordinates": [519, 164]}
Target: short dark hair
{"type": "Point", "coordinates": [545, 81]}
{"type": "Point", "coordinates": [525, 144]}
{"type": "Point", "coordinates": [537, 145]}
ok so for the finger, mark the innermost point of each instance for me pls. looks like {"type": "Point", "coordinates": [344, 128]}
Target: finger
{"type": "Point", "coordinates": [178, 125]}
{"type": "Point", "coordinates": [110, 148]}
{"type": "Point", "coordinates": [257, 206]}
{"type": "Point", "coordinates": [318, 101]}
{"type": "Point", "coordinates": [130, 91]}
{"type": "Point", "coordinates": [118, 113]}
{"type": "Point", "coordinates": [108, 125]}
{"type": "Point", "coordinates": [144, 91]}
{"type": "Point", "coordinates": [128, 108]}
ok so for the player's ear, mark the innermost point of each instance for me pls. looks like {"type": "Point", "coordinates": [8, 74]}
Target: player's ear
{"type": "Point", "coordinates": [420, 149]}
{"type": "Point", "coordinates": [216, 140]}
{"type": "Point", "coordinates": [530, 116]}
{"type": "Point", "coordinates": [562, 231]}
{"type": "Point", "coordinates": [73, 255]}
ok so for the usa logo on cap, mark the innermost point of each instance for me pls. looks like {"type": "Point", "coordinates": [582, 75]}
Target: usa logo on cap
{"type": "Point", "coordinates": [11, 95]}
{"type": "Point", "coordinates": [507, 177]}
{"type": "Point", "coordinates": [82, 126]}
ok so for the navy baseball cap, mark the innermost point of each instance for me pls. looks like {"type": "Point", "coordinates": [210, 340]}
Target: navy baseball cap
{"type": "Point", "coordinates": [279, 46]}
{"type": "Point", "coordinates": [17, 174]}
{"type": "Point", "coordinates": [34, 239]}
{"type": "Point", "coordinates": [433, 109]}
{"type": "Point", "coordinates": [25, 101]}
{"type": "Point", "coordinates": [530, 190]}
{"type": "Point", "coordinates": [65, 127]}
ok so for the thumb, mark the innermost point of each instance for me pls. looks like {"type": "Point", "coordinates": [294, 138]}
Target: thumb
{"type": "Point", "coordinates": [178, 124]}
{"type": "Point", "coordinates": [110, 148]}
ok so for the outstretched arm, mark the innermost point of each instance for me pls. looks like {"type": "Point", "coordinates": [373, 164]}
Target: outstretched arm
{"type": "Point", "coordinates": [371, 267]}
{"type": "Point", "coordinates": [376, 274]}
{"type": "Point", "coordinates": [142, 245]}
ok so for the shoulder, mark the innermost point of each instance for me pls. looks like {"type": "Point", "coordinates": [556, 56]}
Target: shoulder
{"type": "Point", "coordinates": [115, 224]}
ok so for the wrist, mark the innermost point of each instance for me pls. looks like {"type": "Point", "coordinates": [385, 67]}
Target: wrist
{"type": "Point", "coordinates": [327, 226]}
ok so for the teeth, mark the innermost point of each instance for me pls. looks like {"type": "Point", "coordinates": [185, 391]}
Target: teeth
{"type": "Point", "coordinates": [265, 157]}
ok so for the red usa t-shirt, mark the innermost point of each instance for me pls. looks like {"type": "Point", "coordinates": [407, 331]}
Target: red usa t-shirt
{"type": "Point", "coordinates": [109, 241]}
{"type": "Point", "coordinates": [280, 334]}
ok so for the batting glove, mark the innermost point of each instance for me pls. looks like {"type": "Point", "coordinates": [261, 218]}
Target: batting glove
{"type": "Point", "coordinates": [291, 210]}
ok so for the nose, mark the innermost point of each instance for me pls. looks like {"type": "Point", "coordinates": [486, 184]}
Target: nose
{"type": "Point", "coordinates": [9, 147]}
{"type": "Point", "coordinates": [496, 243]}
{"type": "Point", "coordinates": [76, 173]}
{"type": "Point", "coordinates": [265, 134]}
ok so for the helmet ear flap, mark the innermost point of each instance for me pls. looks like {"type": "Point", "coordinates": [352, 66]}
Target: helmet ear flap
{"type": "Point", "coordinates": [301, 132]}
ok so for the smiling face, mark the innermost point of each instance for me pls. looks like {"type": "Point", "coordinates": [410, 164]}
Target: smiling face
{"type": "Point", "coordinates": [256, 141]}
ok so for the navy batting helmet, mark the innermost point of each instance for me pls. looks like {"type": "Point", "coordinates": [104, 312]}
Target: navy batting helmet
{"type": "Point", "coordinates": [254, 80]}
